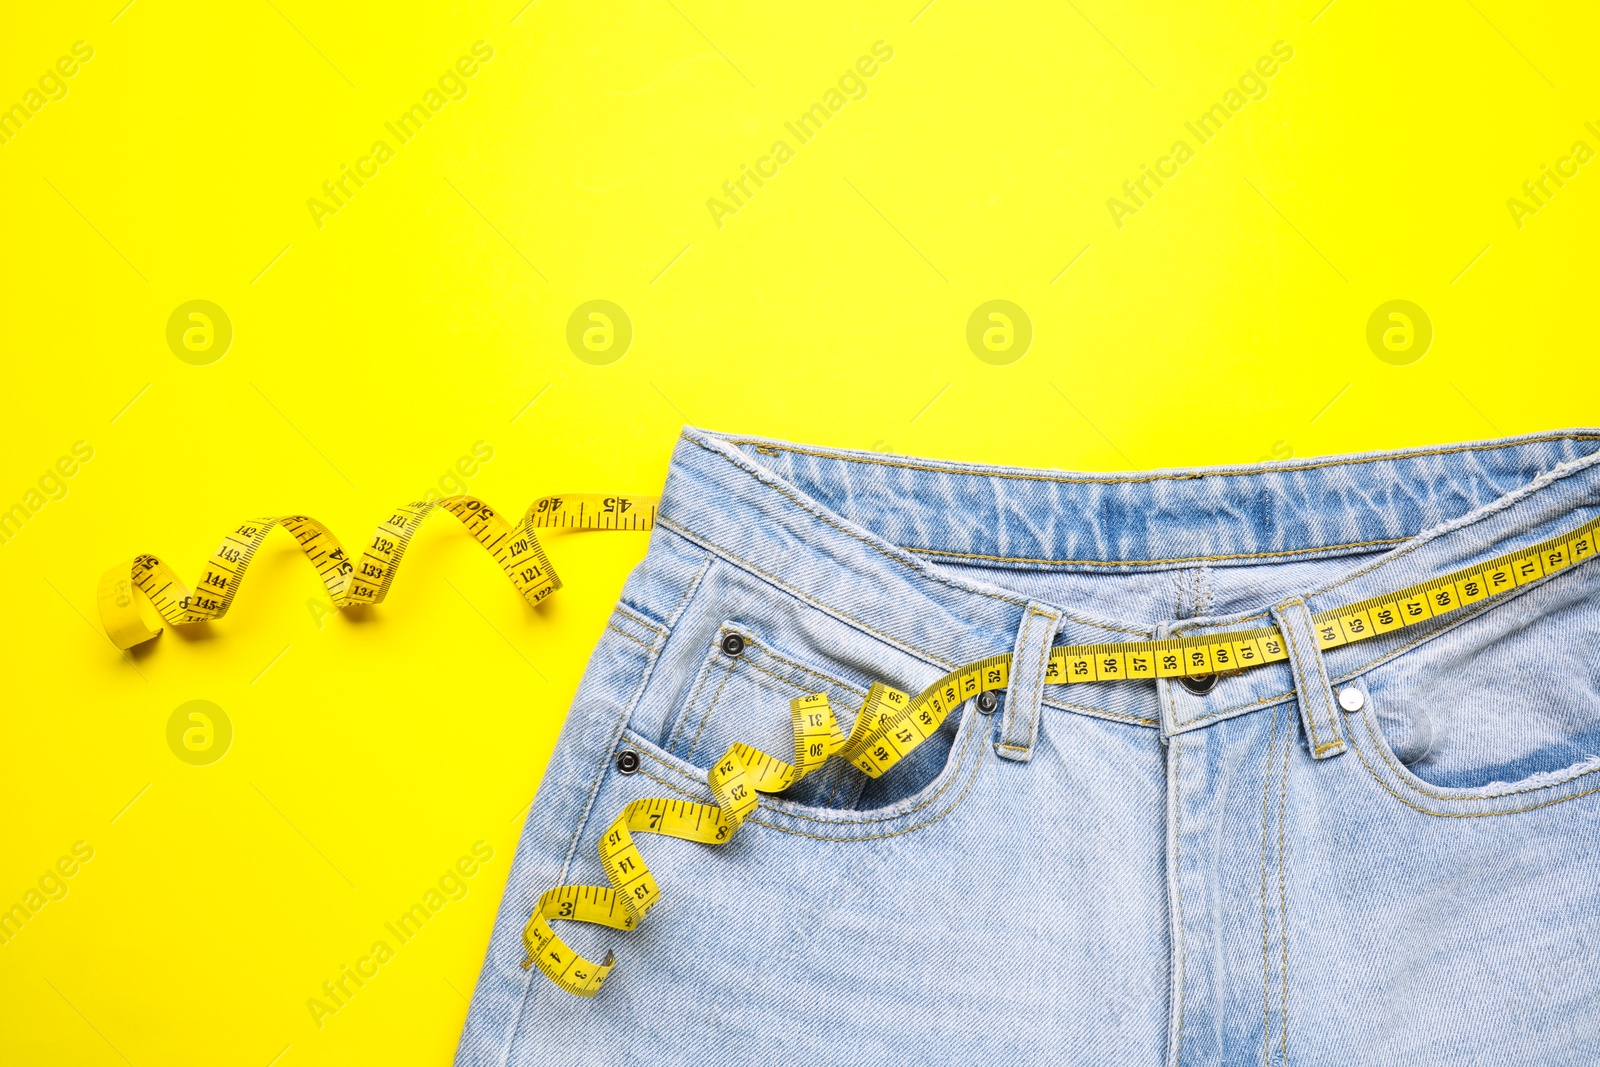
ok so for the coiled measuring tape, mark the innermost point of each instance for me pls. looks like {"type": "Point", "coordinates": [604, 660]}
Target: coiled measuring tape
{"type": "Point", "coordinates": [365, 578]}
{"type": "Point", "coordinates": [891, 725]}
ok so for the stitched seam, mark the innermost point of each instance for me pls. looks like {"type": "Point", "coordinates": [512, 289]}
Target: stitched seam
{"type": "Point", "coordinates": [1177, 866]}
{"type": "Point", "coordinates": [684, 716]}
{"type": "Point", "coordinates": [621, 725]}
{"type": "Point", "coordinates": [605, 763]}
{"type": "Point", "coordinates": [1455, 620]}
{"type": "Point", "coordinates": [1039, 685]}
{"type": "Point", "coordinates": [694, 586]}
{"type": "Point", "coordinates": [1325, 697]}
{"type": "Point", "coordinates": [615, 629]}
{"type": "Point", "coordinates": [1302, 683]}
{"type": "Point", "coordinates": [888, 639]}
{"type": "Point", "coordinates": [1013, 721]}
{"type": "Point", "coordinates": [1397, 555]}
{"type": "Point", "coordinates": [836, 683]}
{"type": "Point", "coordinates": [1304, 689]}
{"type": "Point", "coordinates": [1283, 893]}
{"type": "Point", "coordinates": [1266, 983]}
{"type": "Point", "coordinates": [972, 778]}
{"type": "Point", "coordinates": [864, 837]}
{"type": "Point", "coordinates": [1181, 631]}
{"type": "Point", "coordinates": [1237, 707]}
{"type": "Point", "coordinates": [816, 511]}
{"type": "Point", "coordinates": [762, 445]}
{"type": "Point", "coordinates": [788, 683]}
{"type": "Point", "coordinates": [959, 760]}
{"type": "Point", "coordinates": [1462, 814]}
{"type": "Point", "coordinates": [1172, 705]}
{"type": "Point", "coordinates": [1035, 685]}
{"type": "Point", "coordinates": [1298, 667]}
{"type": "Point", "coordinates": [1429, 791]}
{"type": "Point", "coordinates": [911, 565]}
{"type": "Point", "coordinates": [577, 833]}
{"type": "Point", "coordinates": [1401, 553]}
{"type": "Point", "coordinates": [1428, 636]}
{"type": "Point", "coordinates": [796, 686]}
{"type": "Point", "coordinates": [641, 620]}
{"type": "Point", "coordinates": [1061, 705]}
{"type": "Point", "coordinates": [1150, 562]}
{"type": "Point", "coordinates": [808, 599]}
{"type": "Point", "coordinates": [833, 791]}
{"type": "Point", "coordinates": [707, 668]}
{"type": "Point", "coordinates": [732, 663]}
{"type": "Point", "coordinates": [850, 822]}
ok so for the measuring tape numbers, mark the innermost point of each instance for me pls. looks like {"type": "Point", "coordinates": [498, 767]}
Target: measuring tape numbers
{"type": "Point", "coordinates": [361, 577]}
{"type": "Point", "coordinates": [891, 725]}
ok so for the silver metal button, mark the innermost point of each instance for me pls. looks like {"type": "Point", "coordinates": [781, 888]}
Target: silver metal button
{"type": "Point", "coordinates": [1351, 698]}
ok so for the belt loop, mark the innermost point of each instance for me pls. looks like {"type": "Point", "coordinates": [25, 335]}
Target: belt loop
{"type": "Point", "coordinates": [1319, 714]}
{"type": "Point", "coordinates": [1030, 660]}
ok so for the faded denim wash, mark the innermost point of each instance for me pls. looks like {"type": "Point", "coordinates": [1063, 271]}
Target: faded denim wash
{"type": "Point", "coordinates": [1120, 873]}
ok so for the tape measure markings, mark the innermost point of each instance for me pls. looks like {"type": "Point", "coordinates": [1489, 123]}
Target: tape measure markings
{"type": "Point", "coordinates": [891, 725]}
{"type": "Point", "coordinates": [365, 580]}
{"type": "Point", "coordinates": [612, 512]}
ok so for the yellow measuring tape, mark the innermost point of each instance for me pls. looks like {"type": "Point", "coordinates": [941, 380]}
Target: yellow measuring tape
{"type": "Point", "coordinates": [891, 724]}
{"type": "Point", "coordinates": [362, 578]}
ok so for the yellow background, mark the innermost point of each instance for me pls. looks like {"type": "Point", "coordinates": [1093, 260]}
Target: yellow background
{"type": "Point", "coordinates": [1224, 322]}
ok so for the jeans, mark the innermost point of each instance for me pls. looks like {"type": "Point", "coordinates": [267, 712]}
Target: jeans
{"type": "Point", "coordinates": [1127, 872]}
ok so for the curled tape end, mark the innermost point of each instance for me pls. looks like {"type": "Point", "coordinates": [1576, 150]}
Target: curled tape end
{"type": "Point", "coordinates": [118, 613]}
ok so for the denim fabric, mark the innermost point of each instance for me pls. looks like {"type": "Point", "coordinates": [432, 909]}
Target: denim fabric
{"type": "Point", "coordinates": [1119, 873]}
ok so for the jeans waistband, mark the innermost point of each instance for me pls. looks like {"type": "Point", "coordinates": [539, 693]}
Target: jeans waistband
{"type": "Point", "coordinates": [863, 535]}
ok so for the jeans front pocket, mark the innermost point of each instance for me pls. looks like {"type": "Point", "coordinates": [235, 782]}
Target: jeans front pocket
{"type": "Point", "coordinates": [742, 693]}
{"type": "Point", "coordinates": [1497, 713]}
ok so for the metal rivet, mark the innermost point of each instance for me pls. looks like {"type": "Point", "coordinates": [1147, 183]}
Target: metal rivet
{"type": "Point", "coordinates": [1199, 685]}
{"type": "Point", "coordinates": [987, 702]}
{"type": "Point", "coordinates": [627, 761]}
{"type": "Point", "coordinates": [1351, 698]}
{"type": "Point", "coordinates": [732, 644]}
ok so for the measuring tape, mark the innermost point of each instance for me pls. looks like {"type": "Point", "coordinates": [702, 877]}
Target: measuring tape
{"type": "Point", "coordinates": [891, 725]}
{"type": "Point", "coordinates": [362, 579]}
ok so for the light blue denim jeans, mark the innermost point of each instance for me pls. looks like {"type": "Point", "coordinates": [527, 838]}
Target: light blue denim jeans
{"type": "Point", "coordinates": [1122, 873]}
